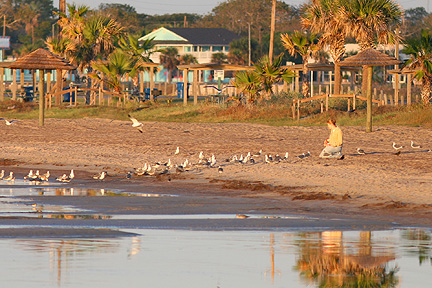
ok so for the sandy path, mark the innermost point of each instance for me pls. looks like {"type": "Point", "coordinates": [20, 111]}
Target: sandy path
{"type": "Point", "coordinates": [95, 144]}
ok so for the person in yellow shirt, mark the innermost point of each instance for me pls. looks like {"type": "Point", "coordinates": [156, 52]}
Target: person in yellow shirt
{"type": "Point", "coordinates": [333, 145]}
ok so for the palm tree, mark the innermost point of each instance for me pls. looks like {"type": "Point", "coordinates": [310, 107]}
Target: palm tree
{"type": "Point", "coordinates": [89, 38]}
{"type": "Point", "coordinates": [371, 22]}
{"type": "Point", "coordinates": [219, 58]}
{"type": "Point", "coordinates": [262, 78]}
{"type": "Point", "coordinates": [169, 58]}
{"type": "Point", "coordinates": [420, 51]}
{"type": "Point", "coordinates": [111, 71]}
{"type": "Point", "coordinates": [321, 16]}
{"type": "Point", "coordinates": [187, 59]}
{"type": "Point", "coordinates": [305, 45]}
{"type": "Point", "coordinates": [139, 53]}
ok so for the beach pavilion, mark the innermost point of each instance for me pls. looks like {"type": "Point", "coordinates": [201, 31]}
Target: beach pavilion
{"type": "Point", "coordinates": [369, 58]}
{"type": "Point", "coordinates": [41, 60]}
{"type": "Point", "coordinates": [195, 68]}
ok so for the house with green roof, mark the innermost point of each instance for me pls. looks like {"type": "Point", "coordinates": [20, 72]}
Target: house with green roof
{"type": "Point", "coordinates": [199, 42]}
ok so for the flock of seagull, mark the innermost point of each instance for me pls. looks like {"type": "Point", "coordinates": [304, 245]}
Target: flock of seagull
{"type": "Point", "coordinates": [37, 178]}
{"type": "Point", "coordinates": [397, 148]}
{"type": "Point", "coordinates": [167, 167]}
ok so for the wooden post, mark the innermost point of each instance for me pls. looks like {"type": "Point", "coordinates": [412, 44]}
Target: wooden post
{"type": "Point", "coordinates": [354, 102]}
{"type": "Point", "coordinates": [369, 100]}
{"type": "Point", "coordinates": [41, 98]}
{"type": "Point", "coordinates": [327, 102]}
{"type": "Point", "coordinates": [409, 100]}
{"type": "Point", "coordinates": [165, 88]}
{"type": "Point", "coordinates": [76, 96]}
{"type": "Point", "coordinates": [331, 81]}
{"type": "Point", "coordinates": [22, 79]}
{"type": "Point", "coordinates": [48, 81]}
{"type": "Point", "coordinates": [391, 100]}
{"type": "Point", "coordinates": [194, 85]}
{"type": "Point", "coordinates": [293, 108]}
{"type": "Point", "coordinates": [151, 83]}
{"type": "Point", "coordinates": [349, 104]}
{"type": "Point", "coordinates": [319, 89]}
{"type": "Point", "coordinates": [385, 99]}
{"type": "Point", "coordinates": [298, 109]}
{"type": "Point", "coordinates": [141, 84]}
{"type": "Point", "coordinates": [322, 106]}
{"type": "Point", "coordinates": [100, 95]}
{"type": "Point", "coordinates": [312, 88]}
{"type": "Point", "coordinates": [297, 83]}
{"type": "Point", "coordinates": [185, 86]}
{"type": "Point", "coordinates": [396, 90]}
{"type": "Point", "coordinates": [59, 85]}
{"type": "Point", "coordinates": [14, 85]}
{"type": "Point", "coordinates": [2, 86]}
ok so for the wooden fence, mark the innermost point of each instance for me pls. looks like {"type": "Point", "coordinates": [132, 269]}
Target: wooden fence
{"type": "Point", "coordinates": [324, 98]}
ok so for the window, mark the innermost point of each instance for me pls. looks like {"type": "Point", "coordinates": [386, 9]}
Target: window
{"type": "Point", "coordinates": [187, 48]}
{"type": "Point", "coordinates": [205, 48]}
{"type": "Point", "coordinates": [195, 48]}
{"type": "Point", "coordinates": [217, 48]}
{"type": "Point", "coordinates": [226, 48]}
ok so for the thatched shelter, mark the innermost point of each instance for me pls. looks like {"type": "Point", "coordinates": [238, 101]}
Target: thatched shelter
{"type": "Point", "coordinates": [41, 59]}
{"type": "Point", "coordinates": [369, 58]}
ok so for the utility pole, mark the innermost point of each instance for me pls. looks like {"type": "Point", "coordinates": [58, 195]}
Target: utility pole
{"type": "Point", "coordinates": [249, 43]}
{"type": "Point", "coordinates": [62, 6]}
{"type": "Point", "coordinates": [396, 100]}
{"type": "Point", "coordinates": [272, 30]}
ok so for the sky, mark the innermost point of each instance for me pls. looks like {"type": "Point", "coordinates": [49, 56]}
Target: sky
{"type": "Point", "coordinates": [160, 7]}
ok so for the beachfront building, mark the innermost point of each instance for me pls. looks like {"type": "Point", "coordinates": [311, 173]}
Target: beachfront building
{"type": "Point", "coordinates": [199, 42]}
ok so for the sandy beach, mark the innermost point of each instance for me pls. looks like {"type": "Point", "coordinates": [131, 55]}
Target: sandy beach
{"type": "Point", "coordinates": [378, 186]}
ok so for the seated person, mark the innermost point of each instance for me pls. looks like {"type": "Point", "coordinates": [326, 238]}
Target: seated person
{"type": "Point", "coordinates": [333, 145]}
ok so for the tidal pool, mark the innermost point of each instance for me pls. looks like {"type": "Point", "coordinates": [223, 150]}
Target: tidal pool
{"type": "Point", "coordinates": [181, 258]}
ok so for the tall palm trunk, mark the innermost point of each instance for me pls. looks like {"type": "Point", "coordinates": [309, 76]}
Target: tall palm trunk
{"type": "Point", "coordinates": [426, 89]}
{"type": "Point", "coordinates": [305, 78]}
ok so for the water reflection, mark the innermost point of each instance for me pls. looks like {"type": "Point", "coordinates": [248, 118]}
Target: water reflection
{"type": "Point", "coordinates": [327, 260]}
{"type": "Point", "coordinates": [178, 258]}
{"type": "Point", "coordinates": [49, 191]}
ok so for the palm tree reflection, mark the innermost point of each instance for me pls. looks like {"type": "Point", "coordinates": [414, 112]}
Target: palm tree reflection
{"type": "Point", "coordinates": [325, 260]}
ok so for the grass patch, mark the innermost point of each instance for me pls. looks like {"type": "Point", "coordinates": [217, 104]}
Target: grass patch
{"type": "Point", "coordinates": [272, 112]}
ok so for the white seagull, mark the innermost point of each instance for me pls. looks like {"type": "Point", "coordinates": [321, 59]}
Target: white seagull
{"type": "Point", "coordinates": [11, 177]}
{"type": "Point", "coordinates": [397, 147]}
{"type": "Point", "coordinates": [415, 146]}
{"type": "Point", "coordinates": [177, 151]}
{"type": "Point", "coordinates": [100, 176]}
{"type": "Point", "coordinates": [136, 123]}
{"type": "Point", "coordinates": [361, 151]}
{"type": "Point", "coordinates": [2, 174]}
{"type": "Point", "coordinates": [217, 89]}
{"type": "Point", "coordinates": [9, 122]}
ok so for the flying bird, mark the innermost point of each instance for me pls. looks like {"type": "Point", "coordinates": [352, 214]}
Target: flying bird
{"type": "Point", "coordinates": [219, 90]}
{"type": "Point", "coordinates": [9, 122]}
{"type": "Point", "coordinates": [136, 123]}
{"type": "Point", "coordinates": [361, 151]}
{"type": "Point", "coordinates": [415, 146]}
{"type": "Point", "coordinates": [397, 147]}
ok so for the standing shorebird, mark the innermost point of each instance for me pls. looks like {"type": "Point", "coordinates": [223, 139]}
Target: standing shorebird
{"type": "Point", "coordinates": [415, 146]}
{"type": "Point", "coordinates": [361, 151]}
{"type": "Point", "coordinates": [177, 151]}
{"type": "Point", "coordinates": [397, 147]}
{"type": "Point", "coordinates": [136, 123]}
{"type": "Point", "coordinates": [220, 170]}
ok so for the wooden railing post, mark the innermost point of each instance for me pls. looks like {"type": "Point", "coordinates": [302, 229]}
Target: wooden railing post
{"type": "Point", "coordinates": [298, 109]}
{"type": "Point", "coordinates": [327, 102]}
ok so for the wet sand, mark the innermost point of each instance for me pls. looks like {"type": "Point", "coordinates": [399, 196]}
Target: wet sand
{"type": "Point", "coordinates": [376, 190]}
